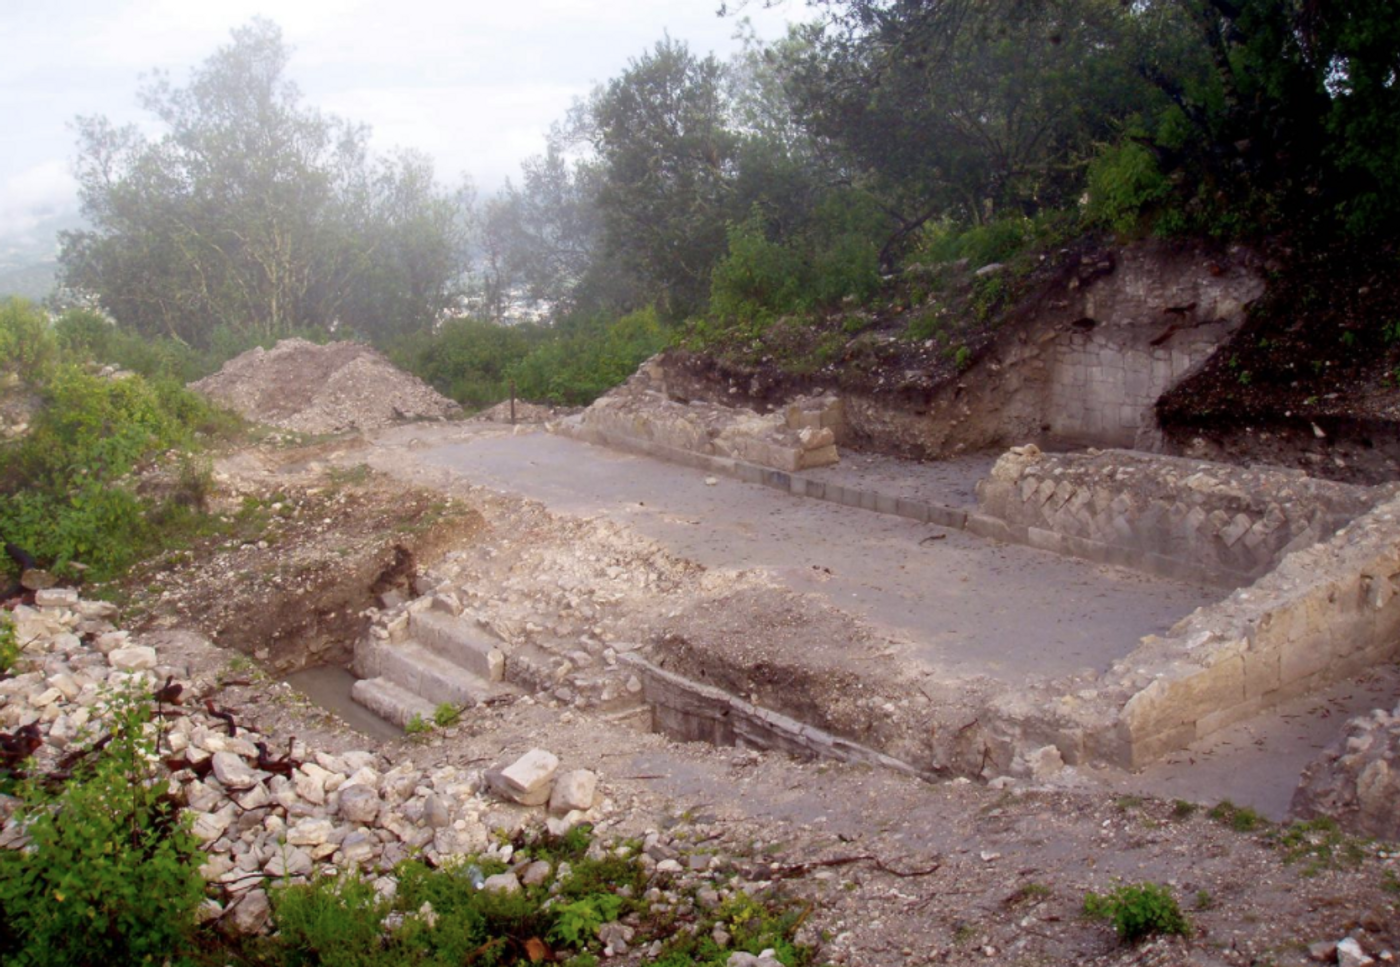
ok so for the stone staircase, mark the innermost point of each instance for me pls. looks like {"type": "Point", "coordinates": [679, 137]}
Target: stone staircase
{"type": "Point", "coordinates": [439, 658]}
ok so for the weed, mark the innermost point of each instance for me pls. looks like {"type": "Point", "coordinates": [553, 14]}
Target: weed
{"type": "Point", "coordinates": [1242, 819]}
{"type": "Point", "coordinates": [418, 725]}
{"type": "Point", "coordinates": [1181, 809]}
{"type": "Point", "coordinates": [1126, 804]}
{"type": "Point", "coordinates": [962, 358]}
{"type": "Point", "coordinates": [1029, 893]}
{"type": "Point", "coordinates": [1137, 911]}
{"type": "Point", "coordinates": [1390, 882]}
{"type": "Point", "coordinates": [1320, 845]}
{"type": "Point", "coordinates": [349, 476]}
{"type": "Point", "coordinates": [447, 715]}
{"type": "Point", "coordinates": [1204, 901]}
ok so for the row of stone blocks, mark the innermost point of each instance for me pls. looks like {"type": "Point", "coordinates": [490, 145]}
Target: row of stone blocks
{"type": "Point", "coordinates": [441, 659]}
{"type": "Point", "coordinates": [793, 483]}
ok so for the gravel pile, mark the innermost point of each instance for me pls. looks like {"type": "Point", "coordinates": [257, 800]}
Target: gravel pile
{"type": "Point", "coordinates": [298, 385]}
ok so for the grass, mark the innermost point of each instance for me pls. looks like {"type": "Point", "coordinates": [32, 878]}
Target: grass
{"type": "Point", "coordinates": [1318, 845]}
{"type": "Point", "coordinates": [1242, 819]}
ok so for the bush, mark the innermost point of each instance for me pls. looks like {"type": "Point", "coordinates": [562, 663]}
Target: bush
{"type": "Point", "coordinates": [757, 279]}
{"type": "Point", "coordinates": [1125, 187]}
{"type": "Point", "coordinates": [67, 495]}
{"type": "Point", "coordinates": [85, 335]}
{"type": "Point", "coordinates": [110, 874]}
{"type": "Point", "coordinates": [27, 346]}
{"type": "Point", "coordinates": [1138, 911]}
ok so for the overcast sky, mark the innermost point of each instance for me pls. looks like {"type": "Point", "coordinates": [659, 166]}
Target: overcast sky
{"type": "Point", "coordinates": [474, 83]}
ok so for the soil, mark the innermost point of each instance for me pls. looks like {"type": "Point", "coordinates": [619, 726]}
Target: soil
{"type": "Point", "coordinates": [1311, 380]}
{"type": "Point", "coordinates": [306, 551]}
{"type": "Point", "coordinates": [896, 870]}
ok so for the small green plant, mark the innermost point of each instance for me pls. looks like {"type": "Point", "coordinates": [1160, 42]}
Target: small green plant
{"type": "Point", "coordinates": [1390, 882]}
{"type": "Point", "coordinates": [1137, 911]}
{"type": "Point", "coordinates": [1242, 819]}
{"type": "Point", "coordinates": [962, 358]}
{"type": "Point", "coordinates": [1126, 804]}
{"type": "Point", "coordinates": [577, 922]}
{"type": "Point", "coordinates": [1182, 809]}
{"type": "Point", "coordinates": [1204, 901]}
{"type": "Point", "coordinates": [447, 715]}
{"type": "Point", "coordinates": [418, 725]}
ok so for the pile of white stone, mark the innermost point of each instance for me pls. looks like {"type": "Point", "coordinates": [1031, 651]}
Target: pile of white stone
{"type": "Point", "coordinates": [318, 813]}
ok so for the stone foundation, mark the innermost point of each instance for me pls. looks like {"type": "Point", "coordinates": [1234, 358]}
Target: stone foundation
{"type": "Point", "coordinates": [1177, 518]}
{"type": "Point", "coordinates": [1326, 613]}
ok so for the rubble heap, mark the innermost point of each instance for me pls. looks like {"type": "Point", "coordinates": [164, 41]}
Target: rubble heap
{"type": "Point", "coordinates": [298, 385]}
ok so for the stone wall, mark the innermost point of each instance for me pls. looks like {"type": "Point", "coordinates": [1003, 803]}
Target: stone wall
{"type": "Point", "coordinates": [800, 436]}
{"type": "Point", "coordinates": [1177, 518]}
{"type": "Point", "coordinates": [1326, 613]}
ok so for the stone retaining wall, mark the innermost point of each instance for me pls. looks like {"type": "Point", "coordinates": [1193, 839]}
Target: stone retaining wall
{"type": "Point", "coordinates": [1182, 519]}
{"type": "Point", "coordinates": [1327, 612]}
{"type": "Point", "coordinates": [800, 436]}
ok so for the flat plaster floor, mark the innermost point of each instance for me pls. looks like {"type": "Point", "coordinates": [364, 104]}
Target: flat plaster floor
{"type": "Point", "coordinates": [964, 605]}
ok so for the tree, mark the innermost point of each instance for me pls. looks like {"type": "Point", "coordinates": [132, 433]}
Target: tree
{"type": "Point", "coordinates": [254, 214]}
{"type": "Point", "coordinates": [963, 109]}
{"type": "Point", "coordinates": [665, 157]}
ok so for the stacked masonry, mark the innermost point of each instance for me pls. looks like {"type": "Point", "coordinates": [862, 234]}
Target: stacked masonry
{"type": "Point", "coordinates": [428, 658]}
{"type": "Point", "coordinates": [641, 416]}
{"type": "Point", "coordinates": [1178, 518]}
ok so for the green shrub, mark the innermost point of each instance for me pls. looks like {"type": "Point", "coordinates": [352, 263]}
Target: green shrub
{"type": "Point", "coordinates": [757, 279]}
{"type": "Point", "coordinates": [27, 345]}
{"type": "Point", "coordinates": [334, 921]}
{"type": "Point", "coordinates": [65, 493]}
{"type": "Point", "coordinates": [1125, 187]}
{"type": "Point", "coordinates": [1138, 911]}
{"type": "Point", "coordinates": [110, 876]}
{"type": "Point", "coordinates": [995, 241]}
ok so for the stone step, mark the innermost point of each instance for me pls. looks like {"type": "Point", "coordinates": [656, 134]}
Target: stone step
{"type": "Point", "coordinates": [461, 642]}
{"type": "Point", "coordinates": [391, 702]}
{"type": "Point", "coordinates": [425, 673]}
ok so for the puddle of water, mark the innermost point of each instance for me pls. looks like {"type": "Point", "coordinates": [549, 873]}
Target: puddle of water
{"type": "Point", "coordinates": [329, 687]}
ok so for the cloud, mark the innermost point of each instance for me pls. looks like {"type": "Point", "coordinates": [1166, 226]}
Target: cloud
{"type": "Point", "coordinates": [34, 195]}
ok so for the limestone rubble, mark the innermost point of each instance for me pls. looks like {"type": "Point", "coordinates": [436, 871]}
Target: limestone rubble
{"type": "Point", "coordinates": [261, 820]}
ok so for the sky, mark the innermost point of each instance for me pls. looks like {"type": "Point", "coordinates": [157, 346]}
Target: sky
{"type": "Point", "coordinates": [474, 83]}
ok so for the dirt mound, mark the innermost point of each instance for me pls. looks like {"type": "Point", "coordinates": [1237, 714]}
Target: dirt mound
{"type": "Point", "coordinates": [298, 385]}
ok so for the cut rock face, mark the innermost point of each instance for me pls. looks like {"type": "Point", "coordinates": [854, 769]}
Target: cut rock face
{"type": "Point", "coordinates": [1356, 780]}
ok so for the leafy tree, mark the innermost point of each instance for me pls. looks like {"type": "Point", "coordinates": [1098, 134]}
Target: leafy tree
{"type": "Point", "coordinates": [968, 109]}
{"type": "Point", "coordinates": [665, 153]}
{"type": "Point", "coordinates": [255, 214]}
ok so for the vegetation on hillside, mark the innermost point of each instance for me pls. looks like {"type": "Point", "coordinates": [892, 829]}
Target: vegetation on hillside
{"type": "Point", "coordinates": [787, 184]}
{"type": "Point", "coordinates": [70, 486]}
